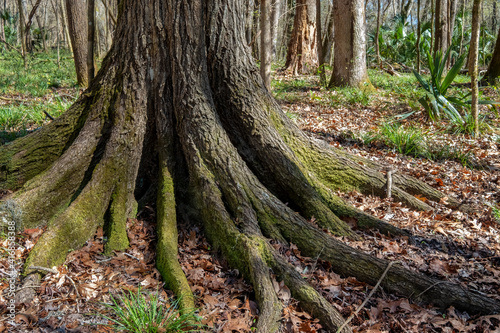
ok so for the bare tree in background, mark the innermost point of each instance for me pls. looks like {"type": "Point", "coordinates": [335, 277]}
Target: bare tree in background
{"type": "Point", "coordinates": [302, 56]}
{"type": "Point", "coordinates": [76, 13]}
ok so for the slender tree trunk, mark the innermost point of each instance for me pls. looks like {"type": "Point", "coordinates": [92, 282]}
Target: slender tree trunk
{"type": "Point", "coordinates": [90, 39]}
{"type": "Point", "coordinates": [302, 52]}
{"type": "Point", "coordinates": [275, 16]}
{"type": "Point", "coordinates": [55, 7]}
{"type": "Point", "coordinates": [266, 43]}
{"type": "Point", "coordinates": [22, 32]}
{"type": "Point", "coordinates": [328, 37]}
{"type": "Point", "coordinates": [464, 2]}
{"type": "Point", "coordinates": [433, 28]}
{"type": "Point", "coordinates": [249, 22]}
{"type": "Point", "coordinates": [474, 45]}
{"type": "Point", "coordinates": [417, 46]}
{"type": "Point", "coordinates": [349, 61]}
{"type": "Point", "coordinates": [452, 12]}
{"type": "Point", "coordinates": [65, 28]}
{"type": "Point", "coordinates": [319, 45]}
{"type": "Point", "coordinates": [377, 36]}
{"type": "Point", "coordinates": [77, 24]}
{"type": "Point", "coordinates": [494, 17]}
{"type": "Point", "coordinates": [494, 68]}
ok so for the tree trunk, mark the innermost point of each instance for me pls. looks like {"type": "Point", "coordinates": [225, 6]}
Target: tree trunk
{"type": "Point", "coordinates": [91, 29]}
{"type": "Point", "coordinates": [319, 45]}
{"type": "Point", "coordinates": [328, 37]}
{"type": "Point", "coordinates": [494, 68]}
{"type": "Point", "coordinates": [441, 26]}
{"type": "Point", "coordinates": [452, 12]}
{"type": "Point", "coordinates": [473, 51]}
{"type": "Point", "coordinates": [349, 60]}
{"type": "Point", "coordinates": [180, 105]}
{"type": "Point", "coordinates": [22, 32]}
{"type": "Point", "coordinates": [302, 56]}
{"type": "Point", "coordinates": [464, 2]}
{"type": "Point", "coordinates": [417, 46]}
{"type": "Point", "coordinates": [275, 17]}
{"type": "Point", "coordinates": [377, 35]}
{"type": "Point", "coordinates": [265, 42]}
{"type": "Point", "coordinates": [77, 25]}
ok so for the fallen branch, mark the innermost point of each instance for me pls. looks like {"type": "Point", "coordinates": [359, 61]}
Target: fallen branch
{"type": "Point", "coordinates": [45, 269]}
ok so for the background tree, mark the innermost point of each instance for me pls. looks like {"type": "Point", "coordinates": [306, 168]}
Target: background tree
{"type": "Point", "coordinates": [77, 24]}
{"type": "Point", "coordinates": [474, 45]}
{"type": "Point", "coordinates": [493, 71]}
{"type": "Point", "coordinates": [441, 26]}
{"type": "Point", "coordinates": [301, 55]}
{"type": "Point", "coordinates": [90, 38]}
{"type": "Point", "coordinates": [349, 60]}
{"type": "Point", "coordinates": [266, 42]}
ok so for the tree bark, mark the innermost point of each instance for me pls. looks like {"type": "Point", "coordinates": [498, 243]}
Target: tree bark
{"type": "Point", "coordinates": [22, 32]}
{"type": "Point", "coordinates": [349, 60]}
{"type": "Point", "coordinates": [266, 43]}
{"type": "Point", "coordinates": [319, 45]}
{"type": "Point", "coordinates": [441, 26]}
{"type": "Point", "coordinates": [328, 37]}
{"type": "Point", "coordinates": [91, 29]}
{"type": "Point", "coordinates": [179, 104]}
{"type": "Point", "coordinates": [275, 17]}
{"type": "Point", "coordinates": [494, 68]}
{"type": "Point", "coordinates": [377, 34]}
{"type": "Point", "coordinates": [419, 32]}
{"type": "Point", "coordinates": [473, 54]}
{"type": "Point", "coordinates": [302, 56]}
{"type": "Point", "coordinates": [77, 24]}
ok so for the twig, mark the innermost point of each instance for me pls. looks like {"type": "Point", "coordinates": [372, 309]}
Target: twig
{"type": "Point", "coordinates": [432, 286]}
{"type": "Point", "coordinates": [48, 115]}
{"type": "Point", "coordinates": [11, 99]}
{"type": "Point", "coordinates": [131, 256]}
{"type": "Point", "coordinates": [367, 298]}
{"type": "Point", "coordinates": [40, 268]}
{"type": "Point", "coordinates": [11, 47]}
{"type": "Point", "coordinates": [74, 285]}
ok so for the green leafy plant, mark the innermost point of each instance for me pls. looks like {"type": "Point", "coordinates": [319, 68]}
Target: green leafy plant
{"type": "Point", "coordinates": [133, 312]}
{"type": "Point", "coordinates": [436, 101]}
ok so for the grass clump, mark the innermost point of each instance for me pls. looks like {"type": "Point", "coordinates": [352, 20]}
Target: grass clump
{"type": "Point", "coordinates": [134, 312]}
{"type": "Point", "coordinates": [406, 140]}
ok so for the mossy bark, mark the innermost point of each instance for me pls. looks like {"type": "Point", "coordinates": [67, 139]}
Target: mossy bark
{"type": "Point", "coordinates": [181, 100]}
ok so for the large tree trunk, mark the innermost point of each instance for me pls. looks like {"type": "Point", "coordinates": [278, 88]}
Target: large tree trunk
{"type": "Point", "coordinates": [301, 55]}
{"type": "Point", "coordinates": [494, 68]}
{"type": "Point", "coordinates": [77, 24]}
{"type": "Point", "coordinates": [349, 59]}
{"type": "Point", "coordinates": [179, 104]}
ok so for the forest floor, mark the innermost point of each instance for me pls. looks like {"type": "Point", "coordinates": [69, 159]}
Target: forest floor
{"type": "Point", "coordinates": [459, 246]}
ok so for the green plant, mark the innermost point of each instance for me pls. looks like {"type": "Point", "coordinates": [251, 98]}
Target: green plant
{"type": "Point", "coordinates": [407, 141]}
{"type": "Point", "coordinates": [436, 101]}
{"type": "Point", "coordinates": [133, 312]}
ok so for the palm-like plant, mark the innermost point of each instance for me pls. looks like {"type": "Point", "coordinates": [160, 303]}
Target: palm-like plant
{"type": "Point", "coordinates": [436, 102]}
